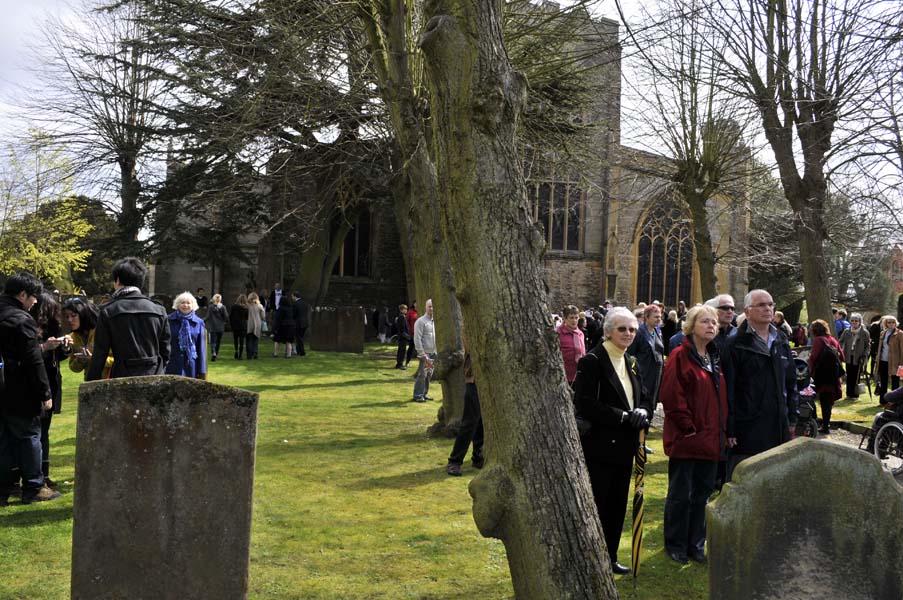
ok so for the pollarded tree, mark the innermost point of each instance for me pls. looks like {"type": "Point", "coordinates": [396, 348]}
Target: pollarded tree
{"type": "Point", "coordinates": [535, 494]}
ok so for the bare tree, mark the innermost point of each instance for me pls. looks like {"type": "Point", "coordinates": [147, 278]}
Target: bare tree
{"type": "Point", "coordinates": [805, 66]}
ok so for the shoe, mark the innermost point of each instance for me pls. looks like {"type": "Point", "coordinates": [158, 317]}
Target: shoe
{"type": "Point", "coordinates": [274, 355]}
{"type": "Point", "coordinates": [42, 495]}
{"type": "Point", "coordinates": [51, 483]}
{"type": "Point", "coordinates": [619, 569]}
{"type": "Point", "coordinates": [428, 397]}
{"type": "Point", "coordinates": [399, 367]}
{"type": "Point", "coordinates": [699, 558]}
{"type": "Point", "coordinates": [419, 399]}
{"type": "Point", "coordinates": [677, 557]}
{"type": "Point", "coordinates": [649, 450]}
{"type": "Point", "coordinates": [478, 462]}
{"type": "Point", "coordinates": [213, 358]}
{"type": "Point", "coordinates": [453, 469]}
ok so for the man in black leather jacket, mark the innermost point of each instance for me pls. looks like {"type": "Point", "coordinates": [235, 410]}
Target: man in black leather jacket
{"type": "Point", "coordinates": [25, 394]}
{"type": "Point", "coordinates": [132, 325]}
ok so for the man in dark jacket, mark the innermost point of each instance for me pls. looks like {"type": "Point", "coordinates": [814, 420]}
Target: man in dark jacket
{"type": "Point", "coordinates": [648, 349]}
{"type": "Point", "coordinates": [761, 383]}
{"type": "Point", "coordinates": [132, 325]}
{"type": "Point", "coordinates": [25, 393]}
{"type": "Point", "coordinates": [299, 314]}
{"type": "Point", "coordinates": [404, 336]}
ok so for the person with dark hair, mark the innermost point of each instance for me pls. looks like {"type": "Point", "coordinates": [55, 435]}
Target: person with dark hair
{"type": "Point", "coordinates": [825, 362]}
{"type": "Point", "coordinates": [404, 336]}
{"type": "Point", "coordinates": [649, 350]}
{"type": "Point", "coordinates": [201, 298]}
{"type": "Point", "coordinates": [300, 314]}
{"type": "Point", "coordinates": [471, 430]}
{"type": "Point", "coordinates": [188, 353]}
{"type": "Point", "coordinates": [82, 318]}
{"type": "Point", "coordinates": [572, 342]}
{"type": "Point", "coordinates": [238, 320]}
{"type": "Point", "coordinates": [26, 395]}
{"type": "Point", "coordinates": [874, 337]}
{"type": "Point", "coordinates": [284, 327]}
{"type": "Point", "coordinates": [131, 326]}
{"type": "Point", "coordinates": [411, 317]}
{"type": "Point", "coordinates": [53, 346]}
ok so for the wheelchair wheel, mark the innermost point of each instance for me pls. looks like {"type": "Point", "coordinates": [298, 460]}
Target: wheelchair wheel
{"type": "Point", "coordinates": [807, 428]}
{"type": "Point", "coordinates": [889, 447]}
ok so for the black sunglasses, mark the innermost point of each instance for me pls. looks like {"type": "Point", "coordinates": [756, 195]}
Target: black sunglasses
{"type": "Point", "coordinates": [726, 307]}
{"type": "Point", "coordinates": [625, 328]}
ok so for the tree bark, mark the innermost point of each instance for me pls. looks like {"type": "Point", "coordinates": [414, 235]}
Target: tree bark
{"type": "Point", "coordinates": [534, 494]}
{"type": "Point", "coordinates": [702, 242]}
{"type": "Point", "coordinates": [388, 32]}
{"type": "Point", "coordinates": [130, 190]}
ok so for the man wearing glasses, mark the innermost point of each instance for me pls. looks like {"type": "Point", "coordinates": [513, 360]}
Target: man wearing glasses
{"type": "Point", "coordinates": [761, 383]}
{"type": "Point", "coordinates": [25, 391]}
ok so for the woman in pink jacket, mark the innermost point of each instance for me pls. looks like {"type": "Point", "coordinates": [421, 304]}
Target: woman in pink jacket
{"type": "Point", "coordinates": [573, 347]}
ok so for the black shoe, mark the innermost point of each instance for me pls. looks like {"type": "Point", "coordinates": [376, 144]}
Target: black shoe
{"type": "Point", "coordinates": [677, 557]}
{"type": "Point", "coordinates": [213, 358]}
{"type": "Point", "coordinates": [419, 399]}
{"type": "Point", "coordinates": [453, 469]}
{"type": "Point", "coordinates": [700, 558]}
{"type": "Point", "coordinates": [619, 569]}
{"type": "Point", "coordinates": [478, 462]}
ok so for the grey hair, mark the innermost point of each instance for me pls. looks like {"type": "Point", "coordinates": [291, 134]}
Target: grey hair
{"type": "Point", "coordinates": [747, 299]}
{"type": "Point", "coordinates": [856, 317]}
{"type": "Point", "coordinates": [716, 301]}
{"type": "Point", "coordinates": [615, 314]}
{"type": "Point", "coordinates": [185, 296]}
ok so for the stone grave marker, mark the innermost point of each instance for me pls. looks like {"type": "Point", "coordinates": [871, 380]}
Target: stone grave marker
{"type": "Point", "coordinates": [164, 471]}
{"type": "Point", "coordinates": [808, 520]}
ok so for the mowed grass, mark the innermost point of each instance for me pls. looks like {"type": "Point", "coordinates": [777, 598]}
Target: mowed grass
{"type": "Point", "coordinates": [351, 499]}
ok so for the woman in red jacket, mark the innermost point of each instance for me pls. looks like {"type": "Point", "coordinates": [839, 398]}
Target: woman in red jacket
{"type": "Point", "coordinates": [825, 370]}
{"type": "Point", "coordinates": [694, 396]}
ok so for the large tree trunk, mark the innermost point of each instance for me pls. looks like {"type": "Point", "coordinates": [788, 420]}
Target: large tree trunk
{"type": "Point", "coordinates": [535, 494]}
{"type": "Point", "coordinates": [811, 236]}
{"type": "Point", "coordinates": [388, 29]}
{"type": "Point", "coordinates": [702, 242]}
{"type": "Point", "coordinates": [130, 190]}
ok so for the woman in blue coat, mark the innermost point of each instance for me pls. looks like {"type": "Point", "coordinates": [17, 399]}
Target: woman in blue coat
{"type": "Point", "coordinates": [188, 349]}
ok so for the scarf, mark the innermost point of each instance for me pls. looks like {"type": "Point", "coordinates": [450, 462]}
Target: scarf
{"type": "Point", "coordinates": [126, 289]}
{"type": "Point", "coordinates": [186, 345]}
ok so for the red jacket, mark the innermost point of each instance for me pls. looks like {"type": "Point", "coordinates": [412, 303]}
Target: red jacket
{"type": "Point", "coordinates": [818, 346]}
{"type": "Point", "coordinates": [695, 407]}
{"type": "Point", "coordinates": [411, 317]}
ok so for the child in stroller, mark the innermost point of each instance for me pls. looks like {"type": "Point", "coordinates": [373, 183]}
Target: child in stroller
{"type": "Point", "coordinates": [806, 424]}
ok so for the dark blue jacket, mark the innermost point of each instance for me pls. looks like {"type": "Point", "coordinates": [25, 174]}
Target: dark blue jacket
{"type": "Point", "coordinates": [761, 391]}
{"type": "Point", "coordinates": [179, 363]}
{"type": "Point", "coordinates": [650, 358]}
{"type": "Point", "coordinates": [26, 383]}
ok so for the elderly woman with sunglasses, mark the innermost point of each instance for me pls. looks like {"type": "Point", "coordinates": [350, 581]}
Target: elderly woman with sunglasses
{"type": "Point", "coordinates": [609, 395]}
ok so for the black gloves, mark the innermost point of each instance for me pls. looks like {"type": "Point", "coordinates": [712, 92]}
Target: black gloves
{"type": "Point", "coordinates": [638, 418]}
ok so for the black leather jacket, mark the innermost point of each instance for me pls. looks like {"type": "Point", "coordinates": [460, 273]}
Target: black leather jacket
{"type": "Point", "coordinates": [26, 384]}
{"type": "Point", "coordinates": [134, 327]}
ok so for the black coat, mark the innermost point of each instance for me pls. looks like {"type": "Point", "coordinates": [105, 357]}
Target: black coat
{"type": "Point", "coordinates": [26, 383]}
{"type": "Point", "coordinates": [284, 325]}
{"type": "Point", "coordinates": [761, 391]}
{"type": "Point", "coordinates": [601, 400]}
{"type": "Point", "coordinates": [651, 360]}
{"type": "Point", "coordinates": [401, 328]}
{"type": "Point", "coordinates": [300, 314]}
{"type": "Point", "coordinates": [238, 319]}
{"type": "Point", "coordinates": [134, 327]}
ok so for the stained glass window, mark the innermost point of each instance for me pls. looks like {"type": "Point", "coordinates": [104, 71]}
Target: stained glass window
{"type": "Point", "coordinates": [558, 208]}
{"type": "Point", "coordinates": [665, 256]}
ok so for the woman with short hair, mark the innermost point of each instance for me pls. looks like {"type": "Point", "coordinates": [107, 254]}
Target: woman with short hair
{"type": "Point", "coordinates": [81, 316]}
{"type": "Point", "coordinates": [827, 381]}
{"type": "Point", "coordinates": [188, 339]}
{"type": "Point", "coordinates": [609, 395]}
{"type": "Point", "coordinates": [256, 317]}
{"type": "Point", "coordinates": [216, 324]}
{"type": "Point", "coordinates": [238, 320]}
{"type": "Point", "coordinates": [889, 356]}
{"type": "Point", "coordinates": [856, 344]}
{"type": "Point", "coordinates": [694, 396]}
{"type": "Point", "coordinates": [571, 340]}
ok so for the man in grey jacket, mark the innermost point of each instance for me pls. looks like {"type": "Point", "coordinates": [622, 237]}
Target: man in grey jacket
{"type": "Point", "coordinates": [425, 344]}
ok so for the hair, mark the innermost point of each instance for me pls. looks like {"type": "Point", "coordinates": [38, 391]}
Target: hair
{"type": "Point", "coordinates": [569, 310]}
{"type": "Point", "coordinates": [693, 316]}
{"type": "Point", "coordinates": [842, 313]}
{"type": "Point", "coordinates": [242, 300]}
{"type": "Point", "coordinates": [200, 289]}
{"type": "Point", "coordinates": [741, 319]}
{"type": "Point", "coordinates": [650, 309]}
{"type": "Point", "coordinates": [182, 298]}
{"type": "Point", "coordinates": [747, 299]}
{"type": "Point", "coordinates": [23, 281]}
{"type": "Point", "coordinates": [296, 294]}
{"type": "Point", "coordinates": [887, 318]}
{"type": "Point", "coordinates": [130, 271]}
{"type": "Point", "coordinates": [402, 307]}
{"type": "Point", "coordinates": [818, 328]}
{"type": "Point", "coordinates": [779, 315]}
{"type": "Point", "coordinates": [253, 298]}
{"type": "Point", "coordinates": [856, 317]}
{"type": "Point", "coordinates": [875, 318]}
{"type": "Point", "coordinates": [216, 299]}
{"type": "Point", "coordinates": [672, 315]}
{"type": "Point", "coordinates": [47, 314]}
{"type": "Point", "coordinates": [615, 314]}
{"type": "Point", "coordinates": [85, 311]}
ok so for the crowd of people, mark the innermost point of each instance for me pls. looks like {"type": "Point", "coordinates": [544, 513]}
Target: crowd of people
{"type": "Point", "coordinates": [128, 334]}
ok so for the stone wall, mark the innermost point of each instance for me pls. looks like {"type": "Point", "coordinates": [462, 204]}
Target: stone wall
{"type": "Point", "coordinates": [575, 281]}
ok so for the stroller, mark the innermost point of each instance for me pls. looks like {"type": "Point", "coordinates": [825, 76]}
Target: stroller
{"type": "Point", "coordinates": [806, 424]}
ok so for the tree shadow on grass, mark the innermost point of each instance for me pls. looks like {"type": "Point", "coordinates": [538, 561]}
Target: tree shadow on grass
{"type": "Point", "coordinates": [30, 518]}
{"type": "Point", "coordinates": [301, 386]}
{"type": "Point", "coordinates": [404, 480]}
{"type": "Point", "coordinates": [392, 404]}
{"type": "Point", "coordinates": [341, 443]}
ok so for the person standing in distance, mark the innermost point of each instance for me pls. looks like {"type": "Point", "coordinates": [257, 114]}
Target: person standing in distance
{"type": "Point", "coordinates": [425, 343]}
{"type": "Point", "coordinates": [130, 325]}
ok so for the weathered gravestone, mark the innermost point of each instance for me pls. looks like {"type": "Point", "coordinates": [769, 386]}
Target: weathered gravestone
{"type": "Point", "coordinates": [804, 521]}
{"type": "Point", "coordinates": [164, 470]}
{"type": "Point", "coordinates": [337, 329]}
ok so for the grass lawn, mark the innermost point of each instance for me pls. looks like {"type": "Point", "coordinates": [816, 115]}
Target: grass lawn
{"type": "Point", "coordinates": [351, 498]}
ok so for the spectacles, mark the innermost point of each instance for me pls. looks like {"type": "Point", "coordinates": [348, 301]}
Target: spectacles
{"type": "Point", "coordinates": [624, 329]}
{"type": "Point", "coordinates": [763, 305]}
{"type": "Point", "coordinates": [726, 307]}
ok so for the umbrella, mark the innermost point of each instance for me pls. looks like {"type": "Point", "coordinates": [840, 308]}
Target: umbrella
{"type": "Point", "coordinates": [639, 473]}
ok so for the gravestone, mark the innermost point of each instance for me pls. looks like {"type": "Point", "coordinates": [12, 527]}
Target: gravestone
{"type": "Point", "coordinates": [337, 329]}
{"type": "Point", "coordinates": [808, 520]}
{"type": "Point", "coordinates": [164, 470]}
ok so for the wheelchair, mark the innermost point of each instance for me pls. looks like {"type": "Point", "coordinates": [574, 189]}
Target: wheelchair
{"type": "Point", "coordinates": [885, 438]}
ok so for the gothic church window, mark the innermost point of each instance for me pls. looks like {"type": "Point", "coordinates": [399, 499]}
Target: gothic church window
{"type": "Point", "coordinates": [665, 256]}
{"type": "Point", "coordinates": [558, 208]}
